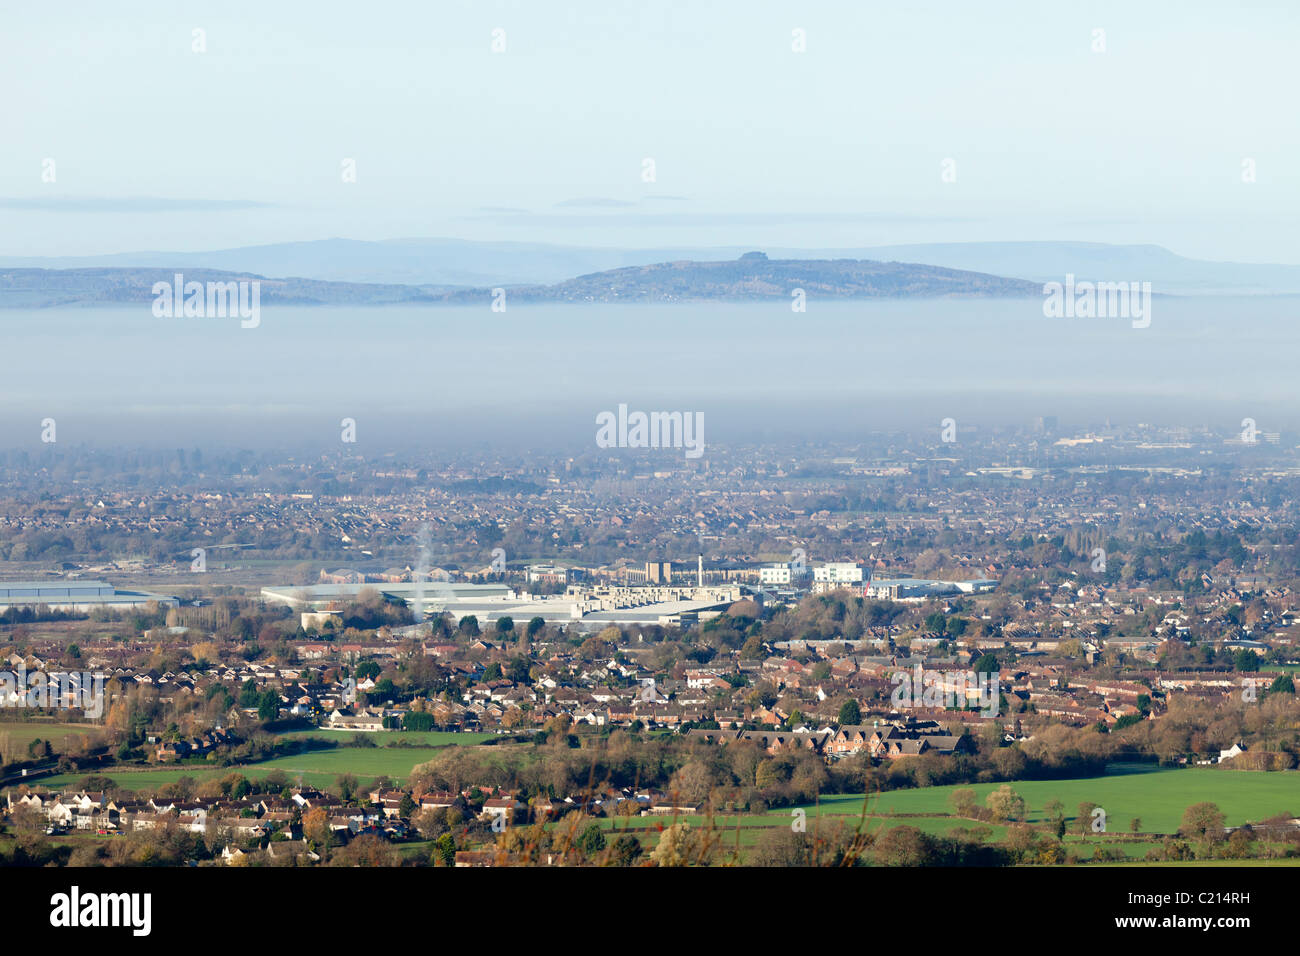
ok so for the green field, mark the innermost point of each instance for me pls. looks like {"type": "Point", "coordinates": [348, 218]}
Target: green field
{"type": "Point", "coordinates": [316, 768]}
{"type": "Point", "coordinates": [16, 735]}
{"type": "Point", "coordinates": [431, 738]}
{"type": "Point", "coordinates": [1294, 861]}
{"type": "Point", "coordinates": [1157, 796]}
{"type": "Point", "coordinates": [750, 826]}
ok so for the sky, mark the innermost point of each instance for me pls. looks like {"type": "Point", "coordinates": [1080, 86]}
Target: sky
{"type": "Point", "coordinates": [899, 122]}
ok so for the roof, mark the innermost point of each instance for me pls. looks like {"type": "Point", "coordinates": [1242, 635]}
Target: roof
{"type": "Point", "coordinates": [652, 612]}
{"type": "Point", "coordinates": [431, 591]}
{"type": "Point", "coordinates": [59, 588]}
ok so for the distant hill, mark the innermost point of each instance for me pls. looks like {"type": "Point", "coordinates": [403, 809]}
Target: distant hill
{"type": "Point", "coordinates": [444, 263]}
{"type": "Point", "coordinates": [1167, 272]}
{"type": "Point", "coordinates": [40, 288]}
{"type": "Point", "coordinates": [753, 276]}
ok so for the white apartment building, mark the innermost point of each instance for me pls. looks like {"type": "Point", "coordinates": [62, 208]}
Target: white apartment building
{"type": "Point", "coordinates": [775, 574]}
{"type": "Point", "coordinates": [844, 572]}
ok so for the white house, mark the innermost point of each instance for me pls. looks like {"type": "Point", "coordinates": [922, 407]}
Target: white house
{"type": "Point", "coordinates": [1232, 752]}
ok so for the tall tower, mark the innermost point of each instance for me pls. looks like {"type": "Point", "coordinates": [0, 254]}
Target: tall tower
{"type": "Point", "coordinates": [699, 576]}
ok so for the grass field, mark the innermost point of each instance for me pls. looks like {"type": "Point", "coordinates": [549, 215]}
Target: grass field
{"type": "Point", "coordinates": [316, 768]}
{"type": "Point", "coordinates": [431, 738]}
{"type": "Point", "coordinates": [1295, 861]}
{"type": "Point", "coordinates": [750, 827]}
{"type": "Point", "coordinates": [362, 762]}
{"type": "Point", "coordinates": [1157, 796]}
{"type": "Point", "coordinates": [16, 735]}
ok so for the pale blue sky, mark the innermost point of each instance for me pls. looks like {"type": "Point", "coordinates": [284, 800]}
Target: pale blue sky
{"type": "Point", "coordinates": [158, 147]}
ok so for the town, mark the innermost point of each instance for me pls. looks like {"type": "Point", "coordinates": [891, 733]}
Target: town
{"type": "Point", "coordinates": [902, 635]}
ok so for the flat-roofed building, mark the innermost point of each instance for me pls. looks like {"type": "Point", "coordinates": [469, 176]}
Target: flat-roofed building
{"type": "Point", "coordinates": [318, 596]}
{"type": "Point", "coordinates": [916, 589]}
{"type": "Point", "coordinates": [75, 596]}
{"type": "Point", "coordinates": [776, 574]}
{"type": "Point", "coordinates": [547, 574]}
{"type": "Point", "coordinates": [845, 572]}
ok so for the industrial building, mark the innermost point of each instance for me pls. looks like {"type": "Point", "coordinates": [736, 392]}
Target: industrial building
{"type": "Point", "coordinates": [321, 596]}
{"type": "Point", "coordinates": [583, 606]}
{"type": "Point", "coordinates": [75, 596]}
{"type": "Point", "coordinates": [918, 589]}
